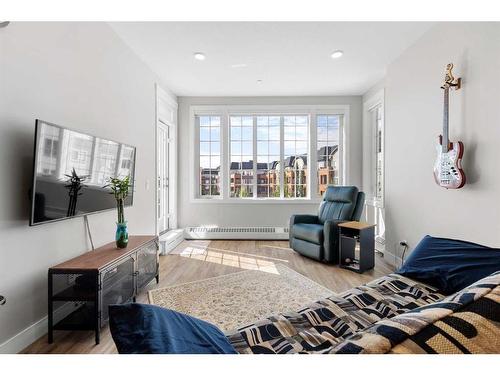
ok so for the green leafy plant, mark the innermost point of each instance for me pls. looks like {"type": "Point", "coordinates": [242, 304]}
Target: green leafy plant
{"type": "Point", "coordinates": [120, 188]}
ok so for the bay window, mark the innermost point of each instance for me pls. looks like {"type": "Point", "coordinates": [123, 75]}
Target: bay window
{"type": "Point", "coordinates": [245, 153]}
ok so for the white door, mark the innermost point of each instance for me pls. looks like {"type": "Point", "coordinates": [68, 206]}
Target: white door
{"type": "Point", "coordinates": [166, 173]}
{"type": "Point", "coordinates": [162, 182]}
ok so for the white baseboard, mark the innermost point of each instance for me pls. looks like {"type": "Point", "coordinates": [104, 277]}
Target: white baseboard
{"type": "Point", "coordinates": [24, 338]}
{"type": "Point", "coordinates": [32, 333]}
{"type": "Point", "coordinates": [392, 259]}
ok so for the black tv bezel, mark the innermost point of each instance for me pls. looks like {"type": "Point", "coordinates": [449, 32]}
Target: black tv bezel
{"type": "Point", "coordinates": [33, 182]}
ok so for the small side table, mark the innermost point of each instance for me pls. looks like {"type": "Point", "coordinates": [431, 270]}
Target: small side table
{"type": "Point", "coordinates": [352, 233]}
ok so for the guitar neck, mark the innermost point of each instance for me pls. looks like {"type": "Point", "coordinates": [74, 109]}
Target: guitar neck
{"type": "Point", "coordinates": [445, 141]}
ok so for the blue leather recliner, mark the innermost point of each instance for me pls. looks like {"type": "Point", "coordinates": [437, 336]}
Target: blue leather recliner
{"type": "Point", "coordinates": [316, 236]}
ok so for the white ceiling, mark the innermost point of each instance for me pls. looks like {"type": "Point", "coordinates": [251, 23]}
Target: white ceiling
{"type": "Point", "coordinates": [291, 58]}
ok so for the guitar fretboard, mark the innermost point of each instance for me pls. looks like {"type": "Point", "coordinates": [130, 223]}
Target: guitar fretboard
{"type": "Point", "coordinates": [445, 140]}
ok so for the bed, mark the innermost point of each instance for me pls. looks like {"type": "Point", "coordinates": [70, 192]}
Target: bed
{"type": "Point", "coordinates": [445, 299]}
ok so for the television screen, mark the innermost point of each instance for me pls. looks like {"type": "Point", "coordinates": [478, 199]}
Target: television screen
{"type": "Point", "coordinates": [71, 170]}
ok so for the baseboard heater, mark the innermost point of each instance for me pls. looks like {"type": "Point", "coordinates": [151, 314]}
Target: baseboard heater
{"type": "Point", "coordinates": [170, 240]}
{"type": "Point", "coordinates": [236, 233]}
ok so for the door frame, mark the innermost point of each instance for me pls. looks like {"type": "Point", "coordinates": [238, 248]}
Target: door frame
{"type": "Point", "coordinates": [167, 100]}
{"type": "Point", "coordinates": [375, 205]}
{"type": "Point", "coordinates": [374, 101]}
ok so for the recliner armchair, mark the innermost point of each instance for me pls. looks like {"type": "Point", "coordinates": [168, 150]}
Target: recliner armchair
{"type": "Point", "coordinates": [316, 236]}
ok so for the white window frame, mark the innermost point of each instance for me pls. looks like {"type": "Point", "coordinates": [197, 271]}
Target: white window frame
{"type": "Point", "coordinates": [376, 100]}
{"type": "Point", "coordinates": [224, 111]}
{"type": "Point", "coordinates": [343, 160]}
{"type": "Point", "coordinates": [195, 159]}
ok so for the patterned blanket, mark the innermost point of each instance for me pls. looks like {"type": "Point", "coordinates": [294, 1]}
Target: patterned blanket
{"type": "Point", "coordinates": [465, 322]}
{"type": "Point", "coordinates": [323, 325]}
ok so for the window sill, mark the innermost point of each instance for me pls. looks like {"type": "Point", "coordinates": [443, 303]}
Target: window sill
{"type": "Point", "coordinates": [237, 201]}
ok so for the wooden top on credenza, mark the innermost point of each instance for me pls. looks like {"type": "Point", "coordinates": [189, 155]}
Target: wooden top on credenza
{"type": "Point", "coordinates": [103, 256]}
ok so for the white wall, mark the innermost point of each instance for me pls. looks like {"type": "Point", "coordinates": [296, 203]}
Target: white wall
{"type": "Point", "coordinates": [230, 214]}
{"type": "Point", "coordinates": [79, 75]}
{"type": "Point", "coordinates": [415, 205]}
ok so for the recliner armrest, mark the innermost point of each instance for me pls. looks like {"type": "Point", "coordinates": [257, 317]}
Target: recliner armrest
{"type": "Point", "coordinates": [331, 239]}
{"type": "Point", "coordinates": [303, 219]}
{"type": "Point", "coordinates": [296, 219]}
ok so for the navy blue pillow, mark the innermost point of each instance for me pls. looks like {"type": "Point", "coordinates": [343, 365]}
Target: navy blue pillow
{"type": "Point", "coordinates": [450, 265]}
{"type": "Point", "coordinates": [139, 328]}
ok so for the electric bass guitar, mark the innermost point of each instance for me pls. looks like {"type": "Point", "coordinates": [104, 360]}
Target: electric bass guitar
{"type": "Point", "coordinates": [448, 171]}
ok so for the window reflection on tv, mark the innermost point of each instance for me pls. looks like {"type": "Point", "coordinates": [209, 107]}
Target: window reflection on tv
{"type": "Point", "coordinates": [70, 171]}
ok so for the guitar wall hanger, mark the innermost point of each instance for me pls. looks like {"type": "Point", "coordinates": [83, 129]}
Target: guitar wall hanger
{"type": "Point", "coordinates": [450, 81]}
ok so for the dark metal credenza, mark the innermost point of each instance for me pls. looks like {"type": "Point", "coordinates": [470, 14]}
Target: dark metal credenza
{"type": "Point", "coordinates": [81, 289]}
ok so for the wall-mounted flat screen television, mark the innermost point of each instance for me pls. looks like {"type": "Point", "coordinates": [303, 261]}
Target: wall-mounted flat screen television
{"type": "Point", "coordinates": [71, 170]}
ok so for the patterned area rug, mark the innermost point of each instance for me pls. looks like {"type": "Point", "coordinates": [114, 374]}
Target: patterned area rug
{"type": "Point", "coordinates": [240, 298]}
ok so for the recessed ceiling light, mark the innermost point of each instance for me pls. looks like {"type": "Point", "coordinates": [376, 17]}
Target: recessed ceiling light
{"type": "Point", "coordinates": [259, 81]}
{"type": "Point", "coordinates": [336, 54]}
{"type": "Point", "coordinates": [199, 56]}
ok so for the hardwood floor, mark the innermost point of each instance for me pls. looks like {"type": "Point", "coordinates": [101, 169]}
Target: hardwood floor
{"type": "Point", "coordinates": [198, 260]}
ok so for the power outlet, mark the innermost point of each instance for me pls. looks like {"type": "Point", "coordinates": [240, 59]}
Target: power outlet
{"type": "Point", "coordinates": [403, 247]}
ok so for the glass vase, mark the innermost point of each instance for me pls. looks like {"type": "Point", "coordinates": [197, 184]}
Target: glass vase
{"type": "Point", "coordinates": [121, 235]}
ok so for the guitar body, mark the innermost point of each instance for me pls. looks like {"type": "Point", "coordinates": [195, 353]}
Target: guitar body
{"type": "Point", "coordinates": [448, 171]}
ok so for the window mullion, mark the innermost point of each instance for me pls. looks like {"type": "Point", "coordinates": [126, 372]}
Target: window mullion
{"type": "Point", "coordinates": [312, 182]}
{"type": "Point", "coordinates": [341, 151]}
{"type": "Point", "coordinates": [225, 155]}
{"type": "Point", "coordinates": [254, 149]}
{"type": "Point", "coordinates": [197, 158]}
{"type": "Point", "coordinates": [282, 158]}
{"type": "Point", "coordinates": [210, 168]}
